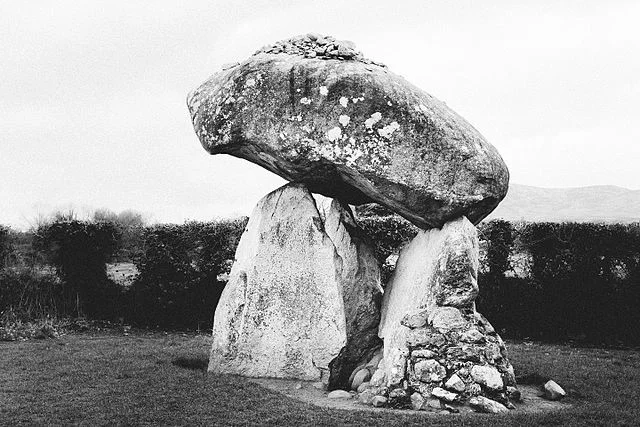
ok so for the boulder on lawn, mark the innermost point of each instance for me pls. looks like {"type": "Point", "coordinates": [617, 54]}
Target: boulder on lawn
{"type": "Point", "coordinates": [552, 391]}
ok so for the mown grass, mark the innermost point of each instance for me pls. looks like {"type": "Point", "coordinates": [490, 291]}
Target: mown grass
{"type": "Point", "coordinates": [160, 379]}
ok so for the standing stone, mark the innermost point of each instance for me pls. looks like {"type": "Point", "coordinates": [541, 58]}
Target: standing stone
{"type": "Point", "coordinates": [290, 307]}
{"type": "Point", "coordinates": [361, 291]}
{"type": "Point", "coordinates": [423, 280]}
{"type": "Point", "coordinates": [428, 315]}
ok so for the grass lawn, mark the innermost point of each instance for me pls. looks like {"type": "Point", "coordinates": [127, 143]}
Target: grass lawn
{"type": "Point", "coordinates": [97, 379]}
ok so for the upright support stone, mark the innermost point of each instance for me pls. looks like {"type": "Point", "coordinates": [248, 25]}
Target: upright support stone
{"type": "Point", "coordinates": [361, 289]}
{"type": "Point", "coordinates": [301, 292]}
{"type": "Point", "coordinates": [430, 325]}
{"type": "Point", "coordinates": [437, 268]}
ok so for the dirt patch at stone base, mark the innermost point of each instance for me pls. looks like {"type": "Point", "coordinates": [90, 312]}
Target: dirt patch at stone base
{"type": "Point", "coordinates": [305, 391]}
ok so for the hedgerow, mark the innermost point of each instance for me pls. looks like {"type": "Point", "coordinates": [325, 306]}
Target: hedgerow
{"type": "Point", "coordinates": [179, 283]}
{"type": "Point", "coordinates": [5, 245]}
{"type": "Point", "coordinates": [580, 282]}
{"type": "Point", "coordinates": [79, 251]}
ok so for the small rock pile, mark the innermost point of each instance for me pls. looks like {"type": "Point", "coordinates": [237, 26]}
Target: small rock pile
{"type": "Point", "coordinates": [314, 45]}
{"type": "Point", "coordinates": [445, 364]}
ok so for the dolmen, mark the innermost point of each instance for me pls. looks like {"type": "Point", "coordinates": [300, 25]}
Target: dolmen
{"type": "Point", "coordinates": [304, 298]}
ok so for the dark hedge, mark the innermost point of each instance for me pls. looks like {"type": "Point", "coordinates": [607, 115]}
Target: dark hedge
{"type": "Point", "coordinates": [79, 251]}
{"type": "Point", "coordinates": [581, 283]}
{"type": "Point", "coordinates": [5, 245]}
{"type": "Point", "coordinates": [179, 283]}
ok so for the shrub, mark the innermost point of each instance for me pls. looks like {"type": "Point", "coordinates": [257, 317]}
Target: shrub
{"type": "Point", "coordinates": [588, 276]}
{"type": "Point", "coordinates": [178, 284]}
{"type": "Point", "coordinates": [79, 251]}
{"type": "Point", "coordinates": [388, 233]}
{"type": "Point", "coordinates": [130, 226]}
{"type": "Point", "coordinates": [13, 328]}
{"type": "Point", "coordinates": [496, 239]}
{"type": "Point", "coordinates": [32, 292]}
{"type": "Point", "coordinates": [5, 245]}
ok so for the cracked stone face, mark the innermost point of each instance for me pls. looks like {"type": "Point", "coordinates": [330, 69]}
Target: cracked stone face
{"type": "Point", "coordinates": [303, 295]}
{"type": "Point", "coordinates": [314, 111]}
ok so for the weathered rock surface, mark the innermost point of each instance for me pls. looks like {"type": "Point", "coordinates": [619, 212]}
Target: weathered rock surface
{"type": "Point", "coordinates": [379, 401]}
{"type": "Point", "coordinates": [482, 404]}
{"type": "Point", "coordinates": [339, 394]}
{"type": "Point", "coordinates": [313, 110]}
{"type": "Point", "coordinates": [363, 375]}
{"type": "Point", "coordinates": [552, 391]}
{"type": "Point", "coordinates": [302, 296]}
{"type": "Point", "coordinates": [435, 343]}
{"type": "Point", "coordinates": [422, 280]}
{"type": "Point", "coordinates": [361, 289]}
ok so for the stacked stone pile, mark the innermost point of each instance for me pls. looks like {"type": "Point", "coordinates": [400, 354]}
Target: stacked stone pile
{"type": "Point", "coordinates": [303, 299]}
{"type": "Point", "coordinates": [317, 46]}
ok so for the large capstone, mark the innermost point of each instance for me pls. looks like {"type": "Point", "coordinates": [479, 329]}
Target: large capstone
{"type": "Point", "coordinates": [303, 295]}
{"type": "Point", "coordinates": [313, 110]}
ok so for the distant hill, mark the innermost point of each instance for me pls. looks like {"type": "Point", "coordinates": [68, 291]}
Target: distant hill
{"type": "Point", "coordinates": [600, 203]}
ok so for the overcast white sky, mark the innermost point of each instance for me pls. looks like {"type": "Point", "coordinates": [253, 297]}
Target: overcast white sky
{"type": "Point", "coordinates": [92, 93]}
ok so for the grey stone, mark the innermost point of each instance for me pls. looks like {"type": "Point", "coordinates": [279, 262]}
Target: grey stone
{"type": "Point", "coordinates": [361, 376]}
{"type": "Point", "coordinates": [378, 378]}
{"type": "Point", "coordinates": [514, 394]}
{"type": "Point", "coordinates": [339, 394]}
{"type": "Point", "coordinates": [415, 285]}
{"type": "Point", "coordinates": [472, 336]}
{"type": "Point", "coordinates": [444, 395]}
{"type": "Point", "coordinates": [295, 289]}
{"type": "Point", "coordinates": [417, 401]}
{"type": "Point", "coordinates": [447, 318]}
{"type": "Point", "coordinates": [473, 389]}
{"type": "Point", "coordinates": [375, 360]}
{"type": "Point", "coordinates": [355, 371]}
{"type": "Point", "coordinates": [482, 404]}
{"type": "Point", "coordinates": [487, 376]}
{"type": "Point", "coordinates": [415, 319]}
{"type": "Point", "coordinates": [362, 387]}
{"type": "Point", "coordinates": [366, 396]}
{"type": "Point", "coordinates": [492, 352]}
{"type": "Point", "coordinates": [509, 376]}
{"type": "Point", "coordinates": [464, 353]}
{"type": "Point", "coordinates": [379, 401]}
{"type": "Point", "coordinates": [432, 404]}
{"type": "Point", "coordinates": [424, 354]}
{"type": "Point", "coordinates": [429, 370]}
{"type": "Point", "coordinates": [397, 367]}
{"type": "Point", "coordinates": [403, 148]}
{"type": "Point", "coordinates": [455, 383]}
{"type": "Point", "coordinates": [424, 337]}
{"type": "Point", "coordinates": [451, 409]}
{"type": "Point", "coordinates": [552, 391]}
{"type": "Point", "coordinates": [398, 393]}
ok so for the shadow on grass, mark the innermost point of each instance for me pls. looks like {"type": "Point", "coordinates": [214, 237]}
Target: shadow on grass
{"type": "Point", "coordinates": [193, 363]}
{"type": "Point", "coordinates": [532, 379]}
